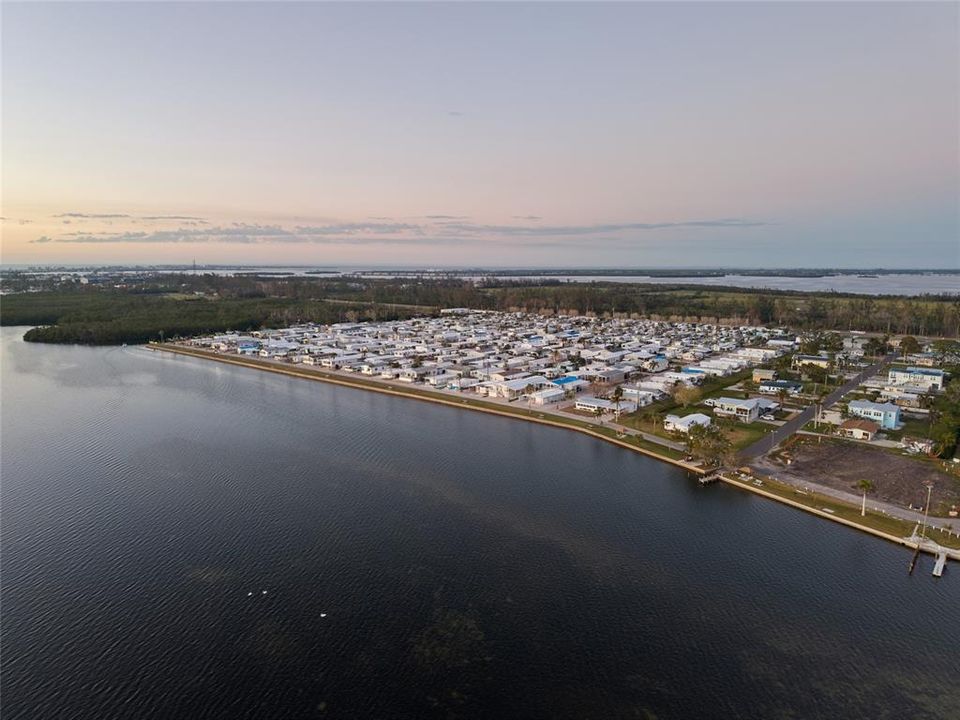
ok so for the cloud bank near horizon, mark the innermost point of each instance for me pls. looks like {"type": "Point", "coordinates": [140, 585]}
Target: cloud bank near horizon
{"type": "Point", "coordinates": [68, 216]}
{"type": "Point", "coordinates": [439, 232]}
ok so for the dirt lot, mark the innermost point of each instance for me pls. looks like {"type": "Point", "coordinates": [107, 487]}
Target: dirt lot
{"type": "Point", "coordinates": [897, 479]}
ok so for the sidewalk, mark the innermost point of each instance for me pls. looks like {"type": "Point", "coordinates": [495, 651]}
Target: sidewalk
{"type": "Point", "coordinates": [783, 475]}
{"type": "Point", "coordinates": [519, 404]}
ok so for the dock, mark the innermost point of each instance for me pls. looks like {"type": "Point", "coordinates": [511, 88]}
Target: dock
{"type": "Point", "coordinates": [708, 479]}
{"type": "Point", "coordinates": [913, 560]}
{"type": "Point", "coordinates": [940, 564]}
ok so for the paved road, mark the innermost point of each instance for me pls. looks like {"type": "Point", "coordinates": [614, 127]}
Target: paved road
{"type": "Point", "coordinates": [784, 475]}
{"type": "Point", "coordinates": [769, 442]}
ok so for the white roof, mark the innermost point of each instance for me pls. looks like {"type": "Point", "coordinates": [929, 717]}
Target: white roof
{"type": "Point", "coordinates": [692, 419]}
{"type": "Point", "coordinates": [521, 383]}
{"type": "Point", "coordinates": [547, 393]}
{"type": "Point", "coordinates": [738, 402]}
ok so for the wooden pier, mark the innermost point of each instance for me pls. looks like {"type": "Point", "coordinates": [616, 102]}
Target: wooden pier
{"type": "Point", "coordinates": [941, 563]}
{"type": "Point", "coordinates": [913, 560]}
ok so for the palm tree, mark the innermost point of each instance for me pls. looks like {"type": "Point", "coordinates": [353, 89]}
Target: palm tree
{"type": "Point", "coordinates": [616, 397]}
{"type": "Point", "coordinates": [866, 486]}
{"type": "Point", "coordinates": [527, 392]}
{"type": "Point", "coordinates": [820, 398]}
{"type": "Point", "coordinates": [782, 396]}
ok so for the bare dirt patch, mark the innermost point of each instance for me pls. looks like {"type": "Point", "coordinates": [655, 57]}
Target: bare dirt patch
{"type": "Point", "coordinates": [896, 479]}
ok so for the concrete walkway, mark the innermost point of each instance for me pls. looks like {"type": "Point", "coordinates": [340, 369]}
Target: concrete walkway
{"type": "Point", "coordinates": [781, 474]}
{"type": "Point", "coordinates": [553, 411]}
{"type": "Point", "coordinates": [455, 395]}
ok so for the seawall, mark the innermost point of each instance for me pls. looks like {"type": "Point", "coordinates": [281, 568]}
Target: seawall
{"type": "Point", "coordinates": [465, 403]}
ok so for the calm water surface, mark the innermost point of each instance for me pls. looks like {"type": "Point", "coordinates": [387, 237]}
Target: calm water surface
{"type": "Point", "coordinates": [183, 539]}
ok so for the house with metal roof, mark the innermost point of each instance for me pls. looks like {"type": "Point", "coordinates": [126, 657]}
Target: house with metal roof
{"type": "Point", "coordinates": [886, 415]}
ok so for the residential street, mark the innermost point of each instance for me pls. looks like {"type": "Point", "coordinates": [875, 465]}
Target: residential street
{"type": "Point", "coordinates": [768, 443]}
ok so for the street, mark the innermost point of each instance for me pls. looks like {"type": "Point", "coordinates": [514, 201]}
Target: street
{"type": "Point", "coordinates": [769, 442]}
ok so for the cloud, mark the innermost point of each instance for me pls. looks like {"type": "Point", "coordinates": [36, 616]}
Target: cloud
{"type": "Point", "coordinates": [237, 233]}
{"type": "Point", "coordinates": [172, 217]}
{"type": "Point", "coordinates": [120, 216]}
{"type": "Point", "coordinates": [563, 230]}
{"type": "Point", "coordinates": [454, 113]}
{"type": "Point", "coordinates": [247, 236]}
{"type": "Point", "coordinates": [91, 216]}
{"type": "Point", "coordinates": [446, 217]}
{"type": "Point", "coordinates": [242, 233]}
{"type": "Point", "coordinates": [438, 233]}
{"type": "Point", "coordinates": [358, 228]}
{"type": "Point", "coordinates": [527, 217]}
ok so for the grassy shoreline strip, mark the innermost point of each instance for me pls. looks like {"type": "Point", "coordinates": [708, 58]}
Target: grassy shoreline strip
{"type": "Point", "coordinates": [843, 513]}
{"type": "Point", "coordinates": [640, 445]}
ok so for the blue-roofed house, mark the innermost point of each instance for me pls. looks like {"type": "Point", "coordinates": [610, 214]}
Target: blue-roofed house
{"type": "Point", "coordinates": [571, 383]}
{"type": "Point", "coordinates": [886, 415]}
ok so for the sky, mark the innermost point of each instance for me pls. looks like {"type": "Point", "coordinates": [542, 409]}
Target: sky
{"type": "Point", "coordinates": [495, 135]}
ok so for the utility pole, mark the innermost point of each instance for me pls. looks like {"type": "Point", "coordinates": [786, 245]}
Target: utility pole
{"type": "Point", "coordinates": [926, 512]}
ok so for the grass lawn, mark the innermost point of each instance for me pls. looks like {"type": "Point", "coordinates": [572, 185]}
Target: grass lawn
{"type": "Point", "coordinates": [877, 521]}
{"type": "Point", "coordinates": [741, 435]}
{"type": "Point", "coordinates": [719, 386]}
{"type": "Point", "coordinates": [650, 418]}
{"type": "Point", "coordinates": [912, 427]}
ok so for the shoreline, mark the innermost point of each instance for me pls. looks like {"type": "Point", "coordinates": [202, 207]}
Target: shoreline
{"type": "Point", "coordinates": [907, 542]}
{"type": "Point", "coordinates": [469, 404]}
{"type": "Point", "coordinates": [425, 396]}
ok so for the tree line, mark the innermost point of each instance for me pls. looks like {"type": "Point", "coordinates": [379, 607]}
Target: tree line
{"type": "Point", "coordinates": [112, 318]}
{"type": "Point", "coordinates": [191, 304]}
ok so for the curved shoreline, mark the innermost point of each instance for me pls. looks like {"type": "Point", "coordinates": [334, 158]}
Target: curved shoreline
{"type": "Point", "coordinates": [469, 404]}
{"type": "Point", "coordinates": [425, 396]}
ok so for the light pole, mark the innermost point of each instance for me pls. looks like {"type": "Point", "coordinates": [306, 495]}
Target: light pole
{"type": "Point", "coordinates": [926, 511]}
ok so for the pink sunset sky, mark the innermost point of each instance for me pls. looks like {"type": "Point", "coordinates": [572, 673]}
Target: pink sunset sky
{"type": "Point", "coordinates": [578, 135]}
